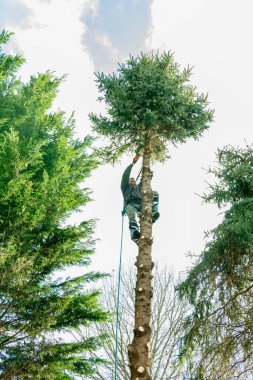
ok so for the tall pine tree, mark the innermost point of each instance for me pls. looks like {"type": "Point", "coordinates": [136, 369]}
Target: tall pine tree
{"type": "Point", "coordinates": [42, 169]}
{"type": "Point", "coordinates": [149, 102]}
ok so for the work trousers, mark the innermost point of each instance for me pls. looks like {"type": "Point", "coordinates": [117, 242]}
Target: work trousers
{"type": "Point", "coordinates": [134, 208]}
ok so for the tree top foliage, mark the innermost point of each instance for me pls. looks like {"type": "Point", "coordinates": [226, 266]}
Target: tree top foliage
{"type": "Point", "coordinates": [8, 64]}
{"type": "Point", "coordinates": [151, 99]}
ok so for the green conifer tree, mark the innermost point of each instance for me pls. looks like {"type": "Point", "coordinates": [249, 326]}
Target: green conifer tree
{"type": "Point", "coordinates": [149, 102]}
{"type": "Point", "coordinates": [220, 286]}
{"type": "Point", "coordinates": [42, 169]}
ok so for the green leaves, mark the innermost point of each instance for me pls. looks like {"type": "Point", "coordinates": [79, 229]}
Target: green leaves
{"type": "Point", "coordinates": [149, 98]}
{"type": "Point", "coordinates": [42, 170]}
{"type": "Point", "coordinates": [235, 174]}
{"type": "Point", "coordinates": [8, 64]}
{"type": "Point", "coordinates": [220, 286]}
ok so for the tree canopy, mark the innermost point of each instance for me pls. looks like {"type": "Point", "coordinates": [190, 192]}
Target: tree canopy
{"type": "Point", "coordinates": [149, 98]}
{"type": "Point", "coordinates": [42, 169]}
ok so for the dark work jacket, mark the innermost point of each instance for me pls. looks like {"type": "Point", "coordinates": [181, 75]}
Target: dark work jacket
{"type": "Point", "coordinates": [131, 194]}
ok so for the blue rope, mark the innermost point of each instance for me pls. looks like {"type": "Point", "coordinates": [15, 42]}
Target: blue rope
{"type": "Point", "coordinates": [118, 296]}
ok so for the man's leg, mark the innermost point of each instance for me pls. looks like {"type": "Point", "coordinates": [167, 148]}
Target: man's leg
{"type": "Point", "coordinates": [131, 210]}
{"type": "Point", "coordinates": [155, 204]}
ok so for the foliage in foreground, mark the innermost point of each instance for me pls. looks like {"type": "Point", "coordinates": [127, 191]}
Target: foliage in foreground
{"type": "Point", "coordinates": [220, 286]}
{"type": "Point", "coordinates": [42, 168]}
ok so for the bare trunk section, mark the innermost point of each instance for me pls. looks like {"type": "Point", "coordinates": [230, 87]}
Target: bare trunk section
{"type": "Point", "coordinates": [139, 351]}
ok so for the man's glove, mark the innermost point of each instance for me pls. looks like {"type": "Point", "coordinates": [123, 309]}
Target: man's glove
{"type": "Point", "coordinates": [136, 158]}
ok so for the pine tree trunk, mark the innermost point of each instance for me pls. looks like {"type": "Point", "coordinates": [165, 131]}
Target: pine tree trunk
{"type": "Point", "coordinates": [139, 351]}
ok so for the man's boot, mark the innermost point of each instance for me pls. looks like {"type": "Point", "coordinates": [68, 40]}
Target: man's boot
{"type": "Point", "coordinates": [155, 216]}
{"type": "Point", "coordinates": [155, 203]}
{"type": "Point", "coordinates": [134, 230]}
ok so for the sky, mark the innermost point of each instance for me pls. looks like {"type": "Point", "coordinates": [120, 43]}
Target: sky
{"type": "Point", "coordinates": [80, 37]}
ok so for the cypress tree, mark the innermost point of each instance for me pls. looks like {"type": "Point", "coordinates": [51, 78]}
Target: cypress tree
{"type": "Point", "coordinates": [149, 103]}
{"type": "Point", "coordinates": [42, 169]}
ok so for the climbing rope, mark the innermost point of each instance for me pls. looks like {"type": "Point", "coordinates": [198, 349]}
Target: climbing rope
{"type": "Point", "coordinates": [118, 298]}
{"type": "Point", "coordinates": [118, 291]}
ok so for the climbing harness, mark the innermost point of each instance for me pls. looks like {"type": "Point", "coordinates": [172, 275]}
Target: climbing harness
{"type": "Point", "coordinates": [118, 298]}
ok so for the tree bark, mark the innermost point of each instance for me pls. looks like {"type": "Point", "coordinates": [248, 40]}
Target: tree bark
{"type": "Point", "coordinates": [139, 351]}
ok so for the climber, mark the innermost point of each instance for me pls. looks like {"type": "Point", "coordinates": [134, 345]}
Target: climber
{"type": "Point", "coordinates": [132, 200]}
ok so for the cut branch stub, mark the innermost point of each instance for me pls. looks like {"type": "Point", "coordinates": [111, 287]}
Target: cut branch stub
{"type": "Point", "coordinates": [140, 369]}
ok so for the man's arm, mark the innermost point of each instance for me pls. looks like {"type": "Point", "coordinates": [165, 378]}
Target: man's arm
{"type": "Point", "coordinates": [125, 177]}
{"type": "Point", "coordinates": [127, 172]}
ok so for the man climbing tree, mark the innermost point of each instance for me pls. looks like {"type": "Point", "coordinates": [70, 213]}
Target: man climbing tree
{"type": "Point", "coordinates": [149, 102]}
{"type": "Point", "coordinates": [132, 200]}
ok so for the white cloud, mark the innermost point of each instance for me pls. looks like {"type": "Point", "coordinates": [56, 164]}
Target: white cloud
{"type": "Point", "coordinates": [103, 40]}
{"type": "Point", "coordinates": [115, 30]}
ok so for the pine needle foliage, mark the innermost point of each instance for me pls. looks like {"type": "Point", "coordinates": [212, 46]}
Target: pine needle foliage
{"type": "Point", "coordinates": [220, 286]}
{"type": "Point", "coordinates": [42, 169]}
{"type": "Point", "coordinates": [149, 98]}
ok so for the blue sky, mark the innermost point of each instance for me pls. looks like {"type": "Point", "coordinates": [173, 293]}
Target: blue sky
{"type": "Point", "coordinates": [118, 25]}
{"type": "Point", "coordinates": [13, 12]}
{"type": "Point", "coordinates": [78, 37]}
